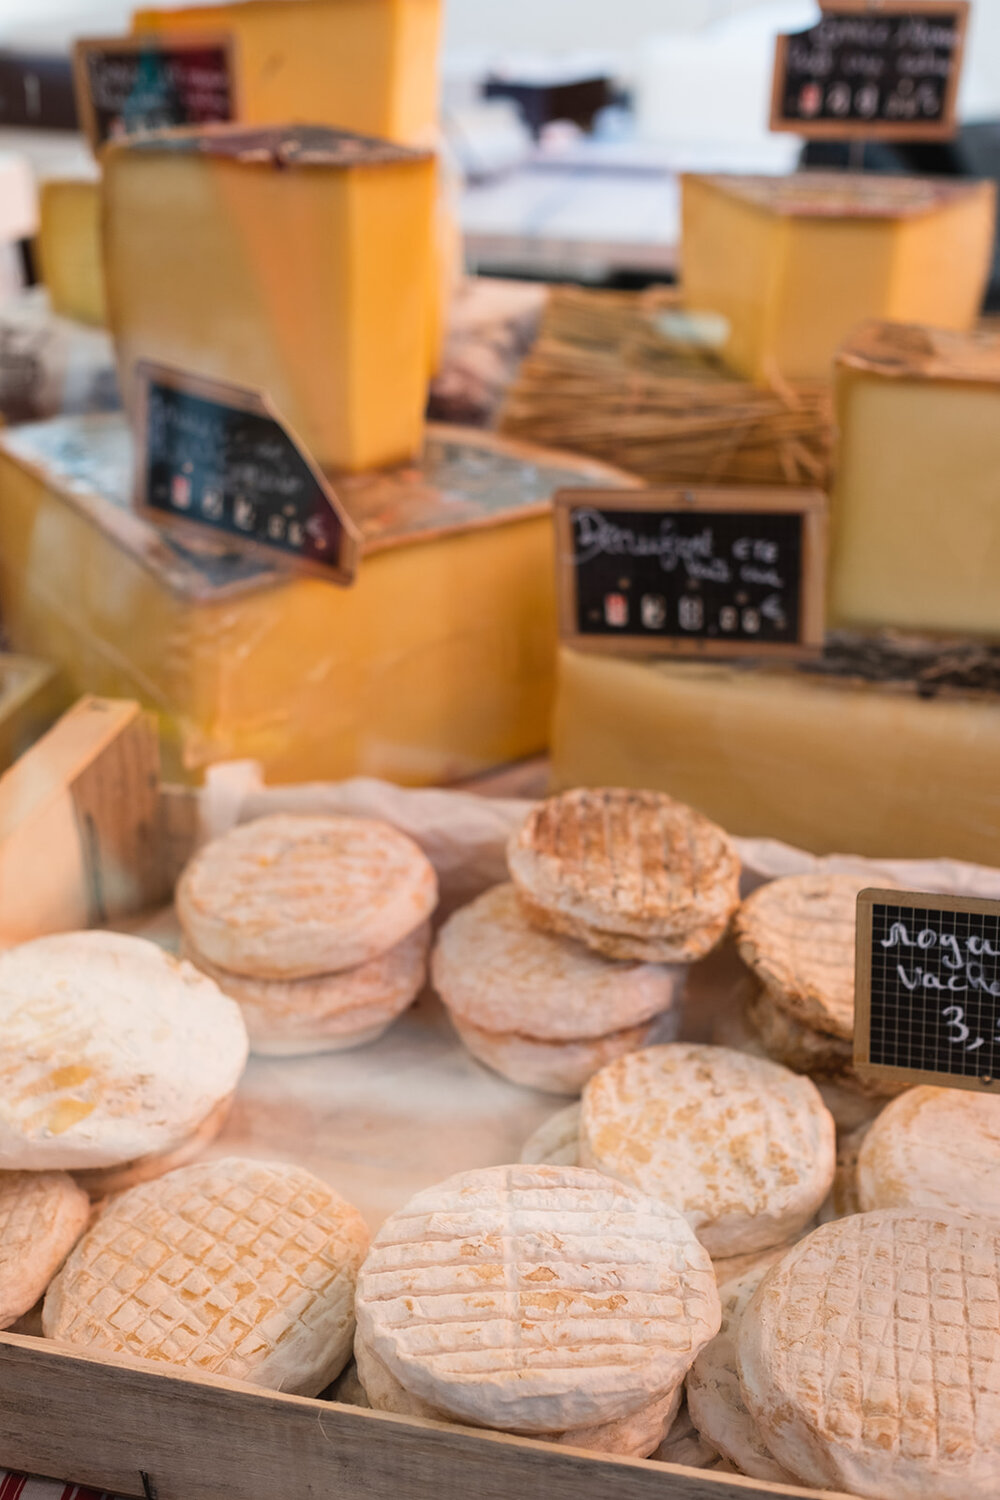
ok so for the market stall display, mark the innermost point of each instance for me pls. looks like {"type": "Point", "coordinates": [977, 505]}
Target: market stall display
{"type": "Point", "coordinates": [385, 1091]}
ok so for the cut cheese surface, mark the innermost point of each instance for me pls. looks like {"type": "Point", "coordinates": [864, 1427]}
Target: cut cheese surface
{"type": "Point", "coordinates": [368, 65]}
{"type": "Point", "coordinates": [915, 519]}
{"type": "Point", "coordinates": [69, 247]}
{"type": "Point", "coordinates": [794, 264]}
{"type": "Point", "coordinates": [826, 763]}
{"type": "Point", "coordinates": [436, 664]}
{"type": "Point", "coordinates": [293, 261]}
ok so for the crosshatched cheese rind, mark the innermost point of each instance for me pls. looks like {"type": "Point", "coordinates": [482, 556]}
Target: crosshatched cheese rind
{"type": "Point", "coordinates": [286, 1017]}
{"type": "Point", "coordinates": [633, 874]}
{"type": "Point", "coordinates": [42, 1215]}
{"type": "Point", "coordinates": [714, 1398]}
{"type": "Point", "coordinates": [740, 1145]}
{"type": "Point", "coordinates": [797, 935]}
{"type": "Point", "coordinates": [110, 1050]}
{"type": "Point", "coordinates": [492, 967]}
{"type": "Point", "coordinates": [535, 1298]}
{"type": "Point", "coordinates": [933, 1148]}
{"type": "Point", "coordinates": [238, 1268]}
{"type": "Point", "coordinates": [286, 896]}
{"type": "Point", "coordinates": [869, 1356]}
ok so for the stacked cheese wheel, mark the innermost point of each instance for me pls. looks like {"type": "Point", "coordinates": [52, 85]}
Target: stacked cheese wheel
{"type": "Point", "coordinates": [796, 936]}
{"type": "Point", "coordinates": [548, 1301]}
{"type": "Point", "coordinates": [742, 1147]}
{"type": "Point", "coordinates": [583, 957]}
{"type": "Point", "coordinates": [117, 1062]}
{"type": "Point", "coordinates": [318, 927]}
{"type": "Point", "coordinates": [863, 1360]}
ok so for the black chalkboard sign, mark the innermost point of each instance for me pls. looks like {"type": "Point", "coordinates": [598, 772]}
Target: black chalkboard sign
{"type": "Point", "coordinates": [214, 455]}
{"type": "Point", "coordinates": [127, 85]}
{"type": "Point", "coordinates": [720, 572]}
{"type": "Point", "coordinates": [877, 69]}
{"type": "Point", "coordinates": [927, 988]}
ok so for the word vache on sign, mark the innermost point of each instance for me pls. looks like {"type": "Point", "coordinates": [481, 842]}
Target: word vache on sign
{"type": "Point", "coordinates": [699, 572]}
{"type": "Point", "coordinates": [927, 988]}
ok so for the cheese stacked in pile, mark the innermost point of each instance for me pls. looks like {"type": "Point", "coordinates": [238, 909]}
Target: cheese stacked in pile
{"type": "Point", "coordinates": [318, 927]}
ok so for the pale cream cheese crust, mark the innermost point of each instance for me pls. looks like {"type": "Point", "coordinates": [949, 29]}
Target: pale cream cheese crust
{"type": "Point", "coordinates": [110, 1051]}
{"type": "Point", "coordinates": [741, 1146]}
{"type": "Point", "coordinates": [869, 1356]}
{"type": "Point", "coordinates": [231, 1267]}
{"type": "Point", "coordinates": [286, 897]}
{"type": "Point", "coordinates": [536, 1299]}
{"type": "Point", "coordinates": [634, 875]}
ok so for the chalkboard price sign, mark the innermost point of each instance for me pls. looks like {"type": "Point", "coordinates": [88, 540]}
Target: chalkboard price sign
{"type": "Point", "coordinates": [127, 85]}
{"type": "Point", "coordinates": [877, 69]}
{"type": "Point", "coordinates": [927, 988]}
{"type": "Point", "coordinates": [212, 455]}
{"type": "Point", "coordinates": [724, 572]}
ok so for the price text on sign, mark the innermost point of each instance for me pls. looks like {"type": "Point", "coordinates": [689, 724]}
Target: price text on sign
{"type": "Point", "coordinates": [719, 572]}
{"type": "Point", "coordinates": [886, 70]}
{"type": "Point", "coordinates": [127, 85]}
{"type": "Point", "coordinates": [214, 456]}
{"type": "Point", "coordinates": [927, 988]}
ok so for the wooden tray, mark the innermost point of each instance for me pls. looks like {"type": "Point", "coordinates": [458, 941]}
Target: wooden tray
{"type": "Point", "coordinates": [88, 836]}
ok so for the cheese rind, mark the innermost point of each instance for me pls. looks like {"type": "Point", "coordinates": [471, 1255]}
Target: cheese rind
{"type": "Point", "coordinates": [915, 528]}
{"type": "Point", "coordinates": [69, 248]}
{"type": "Point", "coordinates": [827, 764]}
{"type": "Point", "coordinates": [796, 263]}
{"type": "Point", "coordinates": [292, 261]}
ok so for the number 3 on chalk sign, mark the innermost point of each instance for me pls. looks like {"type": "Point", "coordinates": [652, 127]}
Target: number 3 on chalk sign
{"type": "Point", "coordinates": [927, 989]}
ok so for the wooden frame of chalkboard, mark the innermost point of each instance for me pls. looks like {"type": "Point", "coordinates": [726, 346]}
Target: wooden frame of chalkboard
{"type": "Point", "coordinates": [340, 567]}
{"type": "Point", "coordinates": [948, 1029]}
{"type": "Point", "coordinates": [874, 129]}
{"type": "Point", "coordinates": [180, 45]}
{"type": "Point", "coordinates": [801, 636]}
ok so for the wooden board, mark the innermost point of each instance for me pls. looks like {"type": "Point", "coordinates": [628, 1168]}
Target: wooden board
{"type": "Point", "coordinates": [134, 1429]}
{"type": "Point", "coordinates": [80, 823]}
{"type": "Point", "coordinates": [636, 558]}
{"type": "Point", "coordinates": [942, 127]}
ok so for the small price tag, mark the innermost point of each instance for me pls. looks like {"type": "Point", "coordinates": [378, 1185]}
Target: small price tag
{"type": "Point", "coordinates": [927, 989]}
{"type": "Point", "coordinates": [724, 572]}
{"type": "Point", "coordinates": [879, 69]}
{"type": "Point", "coordinates": [128, 85]}
{"type": "Point", "coordinates": [215, 456]}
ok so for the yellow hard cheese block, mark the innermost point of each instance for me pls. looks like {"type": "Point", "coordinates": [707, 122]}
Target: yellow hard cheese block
{"type": "Point", "coordinates": [365, 65]}
{"type": "Point", "coordinates": [915, 513]}
{"type": "Point", "coordinates": [830, 763]}
{"type": "Point", "coordinates": [435, 664]}
{"type": "Point", "coordinates": [69, 247]}
{"type": "Point", "coordinates": [295, 261]}
{"type": "Point", "coordinates": [795, 263]}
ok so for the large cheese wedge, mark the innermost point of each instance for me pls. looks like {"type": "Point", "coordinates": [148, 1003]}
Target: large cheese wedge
{"type": "Point", "coordinates": [915, 514]}
{"type": "Point", "coordinates": [366, 65]}
{"type": "Point", "coordinates": [795, 263]}
{"type": "Point", "coordinates": [435, 664]}
{"type": "Point", "coordinates": [822, 759]}
{"type": "Point", "coordinates": [293, 260]}
{"type": "Point", "coordinates": [69, 247]}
